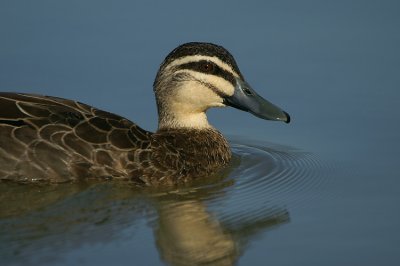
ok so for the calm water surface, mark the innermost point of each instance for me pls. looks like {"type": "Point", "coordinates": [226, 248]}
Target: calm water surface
{"type": "Point", "coordinates": [323, 190]}
{"type": "Point", "coordinates": [210, 222]}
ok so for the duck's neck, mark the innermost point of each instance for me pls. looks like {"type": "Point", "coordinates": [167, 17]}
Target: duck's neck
{"type": "Point", "coordinates": [197, 121]}
{"type": "Point", "coordinates": [175, 112]}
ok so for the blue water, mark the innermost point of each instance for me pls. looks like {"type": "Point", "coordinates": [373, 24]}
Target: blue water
{"type": "Point", "coordinates": [331, 197]}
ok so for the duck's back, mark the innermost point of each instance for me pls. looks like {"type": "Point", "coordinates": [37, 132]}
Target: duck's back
{"type": "Point", "coordinates": [52, 139]}
{"type": "Point", "coordinates": [49, 138]}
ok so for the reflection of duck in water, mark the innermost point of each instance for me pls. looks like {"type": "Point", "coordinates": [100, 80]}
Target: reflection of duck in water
{"type": "Point", "coordinates": [186, 230]}
{"type": "Point", "coordinates": [188, 235]}
{"type": "Point", "coordinates": [48, 138]}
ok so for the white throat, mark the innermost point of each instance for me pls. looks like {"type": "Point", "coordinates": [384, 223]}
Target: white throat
{"type": "Point", "coordinates": [184, 120]}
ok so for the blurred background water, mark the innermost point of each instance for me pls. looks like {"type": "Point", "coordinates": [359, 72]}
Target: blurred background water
{"type": "Point", "coordinates": [331, 194]}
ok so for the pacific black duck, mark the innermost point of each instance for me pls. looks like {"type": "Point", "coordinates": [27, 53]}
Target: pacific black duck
{"type": "Point", "coordinates": [45, 138]}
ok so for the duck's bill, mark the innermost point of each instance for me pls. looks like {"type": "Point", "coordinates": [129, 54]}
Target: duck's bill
{"type": "Point", "coordinates": [246, 99]}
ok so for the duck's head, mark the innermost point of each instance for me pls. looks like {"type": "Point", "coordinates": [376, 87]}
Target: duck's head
{"type": "Point", "coordinates": [196, 76]}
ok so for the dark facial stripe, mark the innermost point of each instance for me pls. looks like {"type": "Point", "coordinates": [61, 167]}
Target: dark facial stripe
{"type": "Point", "coordinates": [187, 76]}
{"type": "Point", "coordinates": [215, 90]}
{"type": "Point", "coordinates": [199, 48]}
{"type": "Point", "coordinates": [215, 70]}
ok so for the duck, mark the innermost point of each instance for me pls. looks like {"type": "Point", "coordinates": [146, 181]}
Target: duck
{"type": "Point", "coordinates": [57, 140]}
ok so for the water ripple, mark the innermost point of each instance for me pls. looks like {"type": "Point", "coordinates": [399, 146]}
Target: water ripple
{"type": "Point", "coordinates": [268, 181]}
{"type": "Point", "coordinates": [258, 191]}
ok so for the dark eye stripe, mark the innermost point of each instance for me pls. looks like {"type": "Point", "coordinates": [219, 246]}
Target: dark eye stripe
{"type": "Point", "coordinates": [217, 71]}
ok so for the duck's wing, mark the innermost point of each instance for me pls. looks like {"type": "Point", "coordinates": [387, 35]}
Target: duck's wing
{"type": "Point", "coordinates": [55, 134]}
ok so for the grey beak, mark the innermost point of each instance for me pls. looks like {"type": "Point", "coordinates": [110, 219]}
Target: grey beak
{"type": "Point", "coordinates": [246, 99]}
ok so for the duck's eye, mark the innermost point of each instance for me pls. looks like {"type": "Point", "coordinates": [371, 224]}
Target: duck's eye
{"type": "Point", "coordinates": [207, 67]}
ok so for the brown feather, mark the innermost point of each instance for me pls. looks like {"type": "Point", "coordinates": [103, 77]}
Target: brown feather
{"type": "Point", "coordinates": [58, 140]}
